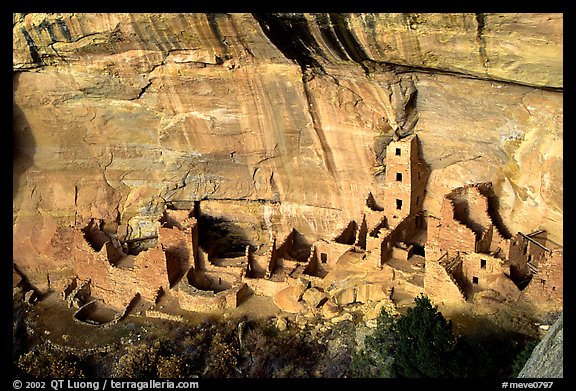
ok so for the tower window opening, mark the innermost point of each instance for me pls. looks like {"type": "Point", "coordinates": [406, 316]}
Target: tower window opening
{"type": "Point", "coordinates": [482, 264]}
{"type": "Point", "coordinates": [399, 177]}
{"type": "Point", "coordinates": [398, 152]}
{"type": "Point", "coordinates": [398, 204]}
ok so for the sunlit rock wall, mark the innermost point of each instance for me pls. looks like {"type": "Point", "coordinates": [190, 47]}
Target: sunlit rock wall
{"type": "Point", "coordinates": [117, 116]}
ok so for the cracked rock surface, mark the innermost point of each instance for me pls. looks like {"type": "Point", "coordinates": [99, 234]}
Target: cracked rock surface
{"type": "Point", "coordinates": [546, 360]}
{"type": "Point", "coordinates": [118, 116]}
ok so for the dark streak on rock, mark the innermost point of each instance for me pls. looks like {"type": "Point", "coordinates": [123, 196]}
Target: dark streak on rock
{"type": "Point", "coordinates": [213, 23]}
{"type": "Point", "coordinates": [31, 47]}
{"type": "Point", "coordinates": [353, 48]}
{"type": "Point", "coordinates": [64, 29]}
{"type": "Point", "coordinates": [292, 36]}
{"type": "Point", "coordinates": [49, 29]}
{"type": "Point", "coordinates": [480, 20]}
{"type": "Point", "coordinates": [142, 91]}
{"type": "Point", "coordinates": [325, 25]}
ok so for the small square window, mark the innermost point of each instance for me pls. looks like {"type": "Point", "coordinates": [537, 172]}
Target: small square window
{"type": "Point", "coordinates": [398, 177]}
{"type": "Point", "coordinates": [398, 152]}
{"type": "Point", "coordinates": [399, 204]}
{"type": "Point", "coordinates": [482, 264]}
{"type": "Point", "coordinates": [475, 280]}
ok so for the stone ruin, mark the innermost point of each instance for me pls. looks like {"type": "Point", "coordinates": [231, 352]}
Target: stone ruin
{"type": "Point", "coordinates": [396, 252]}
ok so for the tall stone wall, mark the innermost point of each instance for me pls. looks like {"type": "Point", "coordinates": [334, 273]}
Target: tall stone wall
{"type": "Point", "coordinates": [439, 286]}
{"type": "Point", "coordinates": [400, 233]}
{"type": "Point", "coordinates": [525, 254]}
{"type": "Point", "coordinates": [484, 240]}
{"type": "Point", "coordinates": [398, 180]}
{"type": "Point", "coordinates": [178, 248]}
{"type": "Point", "coordinates": [405, 179]}
{"type": "Point", "coordinates": [478, 268]}
{"type": "Point", "coordinates": [447, 234]}
{"type": "Point", "coordinates": [478, 207]}
{"type": "Point", "coordinates": [546, 289]}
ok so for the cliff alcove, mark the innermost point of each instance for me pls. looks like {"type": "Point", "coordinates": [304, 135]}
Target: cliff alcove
{"type": "Point", "coordinates": [236, 156]}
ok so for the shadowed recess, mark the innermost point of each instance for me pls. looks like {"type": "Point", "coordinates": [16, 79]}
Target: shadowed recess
{"type": "Point", "coordinates": [220, 237]}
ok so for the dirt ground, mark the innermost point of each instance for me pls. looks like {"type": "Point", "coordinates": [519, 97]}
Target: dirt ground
{"type": "Point", "coordinates": [50, 319]}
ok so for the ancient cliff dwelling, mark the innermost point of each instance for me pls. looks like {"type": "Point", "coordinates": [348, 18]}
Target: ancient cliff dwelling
{"type": "Point", "coordinates": [459, 257]}
{"type": "Point", "coordinates": [178, 165]}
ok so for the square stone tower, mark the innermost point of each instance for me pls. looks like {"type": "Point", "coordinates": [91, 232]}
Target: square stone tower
{"type": "Point", "coordinates": [405, 179]}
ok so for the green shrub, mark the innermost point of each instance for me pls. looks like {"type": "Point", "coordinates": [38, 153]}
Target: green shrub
{"type": "Point", "coordinates": [417, 344]}
{"type": "Point", "coordinates": [376, 358]}
{"type": "Point", "coordinates": [45, 362]}
{"type": "Point", "coordinates": [138, 361]}
{"type": "Point", "coordinates": [271, 353]}
{"type": "Point", "coordinates": [523, 357]}
{"type": "Point", "coordinates": [425, 345]}
{"type": "Point", "coordinates": [174, 367]}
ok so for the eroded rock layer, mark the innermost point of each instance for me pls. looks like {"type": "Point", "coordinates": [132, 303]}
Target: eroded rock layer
{"type": "Point", "coordinates": [275, 121]}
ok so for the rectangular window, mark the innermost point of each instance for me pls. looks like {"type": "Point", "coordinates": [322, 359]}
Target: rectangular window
{"type": "Point", "coordinates": [398, 204]}
{"type": "Point", "coordinates": [323, 257]}
{"type": "Point", "coordinates": [475, 280]}
{"type": "Point", "coordinates": [398, 152]}
{"type": "Point", "coordinates": [398, 177]}
{"type": "Point", "coordinates": [482, 264]}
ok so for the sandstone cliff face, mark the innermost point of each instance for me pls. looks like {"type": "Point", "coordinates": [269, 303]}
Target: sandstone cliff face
{"type": "Point", "coordinates": [118, 116]}
{"type": "Point", "coordinates": [547, 358]}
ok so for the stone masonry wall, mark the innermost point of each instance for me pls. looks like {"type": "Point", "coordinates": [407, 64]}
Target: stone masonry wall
{"type": "Point", "coordinates": [478, 207]}
{"type": "Point", "coordinates": [402, 232]}
{"type": "Point", "coordinates": [329, 252]}
{"type": "Point", "coordinates": [439, 286]}
{"type": "Point", "coordinates": [546, 287]}
{"type": "Point", "coordinates": [484, 241]}
{"type": "Point", "coordinates": [150, 268]}
{"type": "Point", "coordinates": [178, 248]}
{"type": "Point", "coordinates": [448, 234]}
{"type": "Point", "coordinates": [522, 252]}
{"type": "Point", "coordinates": [420, 173]}
{"type": "Point", "coordinates": [397, 179]}
{"type": "Point", "coordinates": [479, 267]}
{"type": "Point", "coordinates": [116, 286]}
{"type": "Point", "coordinates": [405, 179]}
